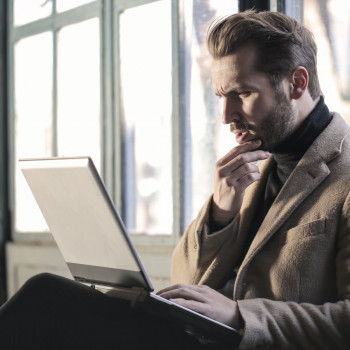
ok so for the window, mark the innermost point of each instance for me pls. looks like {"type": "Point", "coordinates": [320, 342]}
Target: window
{"type": "Point", "coordinates": [146, 99]}
{"type": "Point", "coordinates": [206, 137]}
{"type": "Point", "coordinates": [55, 94]}
{"type": "Point", "coordinates": [33, 85]}
{"type": "Point", "coordinates": [330, 22]}
{"type": "Point", "coordinates": [128, 83]}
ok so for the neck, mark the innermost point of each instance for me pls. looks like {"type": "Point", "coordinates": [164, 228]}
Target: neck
{"type": "Point", "coordinates": [303, 107]}
{"type": "Point", "coordinates": [311, 126]}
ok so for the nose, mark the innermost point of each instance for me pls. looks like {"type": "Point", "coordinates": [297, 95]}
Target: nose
{"type": "Point", "coordinates": [229, 111]}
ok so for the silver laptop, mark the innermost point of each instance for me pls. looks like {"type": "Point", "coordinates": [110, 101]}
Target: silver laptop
{"type": "Point", "coordinates": [95, 244]}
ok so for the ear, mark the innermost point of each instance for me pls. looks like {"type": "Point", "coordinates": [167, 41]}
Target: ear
{"type": "Point", "coordinates": [299, 82]}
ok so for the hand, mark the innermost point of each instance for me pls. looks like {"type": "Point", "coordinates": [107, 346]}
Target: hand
{"type": "Point", "coordinates": [233, 174]}
{"type": "Point", "coordinates": [204, 300]}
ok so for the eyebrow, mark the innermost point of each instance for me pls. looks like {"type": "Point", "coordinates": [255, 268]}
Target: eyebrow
{"type": "Point", "coordinates": [236, 91]}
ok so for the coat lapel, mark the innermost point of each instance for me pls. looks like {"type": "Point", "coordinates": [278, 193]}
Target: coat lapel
{"type": "Point", "coordinates": [298, 187]}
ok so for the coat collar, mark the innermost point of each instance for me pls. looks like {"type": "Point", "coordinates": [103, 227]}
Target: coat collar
{"type": "Point", "coordinates": [310, 172]}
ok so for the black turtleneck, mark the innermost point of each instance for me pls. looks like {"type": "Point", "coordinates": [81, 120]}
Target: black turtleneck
{"type": "Point", "coordinates": [287, 156]}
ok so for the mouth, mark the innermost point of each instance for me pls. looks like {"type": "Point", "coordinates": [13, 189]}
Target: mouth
{"type": "Point", "coordinates": [243, 136]}
{"type": "Point", "coordinates": [243, 133]}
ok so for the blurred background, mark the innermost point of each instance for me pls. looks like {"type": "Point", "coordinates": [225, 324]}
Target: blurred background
{"type": "Point", "coordinates": [127, 83]}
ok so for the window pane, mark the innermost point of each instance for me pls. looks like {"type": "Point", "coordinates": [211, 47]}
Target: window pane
{"type": "Point", "coordinates": [78, 90]}
{"type": "Point", "coordinates": [145, 56]}
{"type": "Point", "coordinates": [25, 11]}
{"type": "Point", "coordinates": [209, 139]}
{"type": "Point", "coordinates": [33, 129]}
{"type": "Point", "coordinates": [330, 23]}
{"type": "Point", "coordinates": [64, 5]}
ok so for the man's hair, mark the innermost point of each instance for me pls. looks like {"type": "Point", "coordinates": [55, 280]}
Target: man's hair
{"type": "Point", "coordinates": [282, 44]}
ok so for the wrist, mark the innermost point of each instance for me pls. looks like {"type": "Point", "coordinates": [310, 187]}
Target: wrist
{"type": "Point", "coordinates": [218, 219]}
{"type": "Point", "coordinates": [238, 321]}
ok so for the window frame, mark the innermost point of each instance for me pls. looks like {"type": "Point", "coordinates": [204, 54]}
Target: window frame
{"type": "Point", "coordinates": [145, 239]}
{"type": "Point", "coordinates": [111, 128]}
{"type": "Point", "coordinates": [4, 156]}
{"type": "Point", "coordinates": [52, 23]}
{"type": "Point", "coordinates": [111, 118]}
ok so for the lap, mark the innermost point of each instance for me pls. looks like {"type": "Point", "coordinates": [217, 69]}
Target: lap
{"type": "Point", "coordinates": [57, 313]}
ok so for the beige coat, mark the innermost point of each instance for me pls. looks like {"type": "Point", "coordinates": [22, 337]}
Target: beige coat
{"type": "Point", "coordinates": [294, 283]}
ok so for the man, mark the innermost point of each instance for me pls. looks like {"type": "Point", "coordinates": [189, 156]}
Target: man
{"type": "Point", "coordinates": [269, 253]}
{"type": "Point", "coordinates": [275, 238]}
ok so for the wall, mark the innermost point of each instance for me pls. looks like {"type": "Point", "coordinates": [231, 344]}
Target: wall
{"type": "Point", "coordinates": [25, 260]}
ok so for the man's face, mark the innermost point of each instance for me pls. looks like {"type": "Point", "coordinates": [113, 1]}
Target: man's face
{"type": "Point", "coordinates": [252, 107]}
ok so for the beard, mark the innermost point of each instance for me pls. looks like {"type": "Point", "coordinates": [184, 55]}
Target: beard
{"type": "Point", "coordinates": [274, 127]}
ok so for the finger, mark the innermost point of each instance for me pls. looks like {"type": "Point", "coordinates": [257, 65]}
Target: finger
{"type": "Point", "coordinates": [196, 306]}
{"type": "Point", "coordinates": [182, 285]}
{"type": "Point", "coordinates": [234, 152]}
{"type": "Point", "coordinates": [183, 293]}
{"type": "Point", "coordinates": [243, 171]}
{"type": "Point", "coordinates": [244, 181]}
{"type": "Point", "coordinates": [241, 160]}
{"type": "Point", "coordinates": [187, 292]}
{"type": "Point", "coordinates": [169, 288]}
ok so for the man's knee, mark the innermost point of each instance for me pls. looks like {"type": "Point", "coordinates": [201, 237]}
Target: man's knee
{"type": "Point", "coordinates": [41, 281]}
{"type": "Point", "coordinates": [32, 296]}
{"type": "Point", "coordinates": [43, 287]}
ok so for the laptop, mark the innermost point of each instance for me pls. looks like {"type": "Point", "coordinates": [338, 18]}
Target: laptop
{"type": "Point", "coordinates": [95, 244]}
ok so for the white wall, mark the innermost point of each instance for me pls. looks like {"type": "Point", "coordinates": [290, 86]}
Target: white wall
{"type": "Point", "coordinates": [25, 260]}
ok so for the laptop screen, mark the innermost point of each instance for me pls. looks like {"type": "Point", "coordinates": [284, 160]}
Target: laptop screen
{"type": "Point", "coordinates": [83, 220]}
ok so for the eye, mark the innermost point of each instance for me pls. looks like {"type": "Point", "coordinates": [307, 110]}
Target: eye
{"type": "Point", "coordinates": [244, 94]}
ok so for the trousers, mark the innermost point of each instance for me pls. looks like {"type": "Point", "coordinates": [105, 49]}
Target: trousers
{"type": "Point", "coordinates": [54, 313]}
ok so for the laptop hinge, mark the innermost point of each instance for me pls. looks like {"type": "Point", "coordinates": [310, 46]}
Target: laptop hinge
{"type": "Point", "coordinates": [134, 294]}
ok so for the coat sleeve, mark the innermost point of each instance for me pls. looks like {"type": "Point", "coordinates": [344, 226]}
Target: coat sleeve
{"type": "Point", "coordinates": [287, 325]}
{"type": "Point", "coordinates": [205, 257]}
{"type": "Point", "coordinates": [273, 324]}
{"type": "Point", "coordinates": [200, 252]}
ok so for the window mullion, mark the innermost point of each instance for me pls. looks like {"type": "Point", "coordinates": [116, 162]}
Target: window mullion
{"type": "Point", "coordinates": [107, 101]}
{"type": "Point", "coordinates": [54, 95]}
{"type": "Point", "coordinates": [186, 27]}
{"type": "Point", "coordinates": [117, 112]}
{"type": "Point", "coordinates": [56, 21]}
{"type": "Point", "coordinates": [176, 123]}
